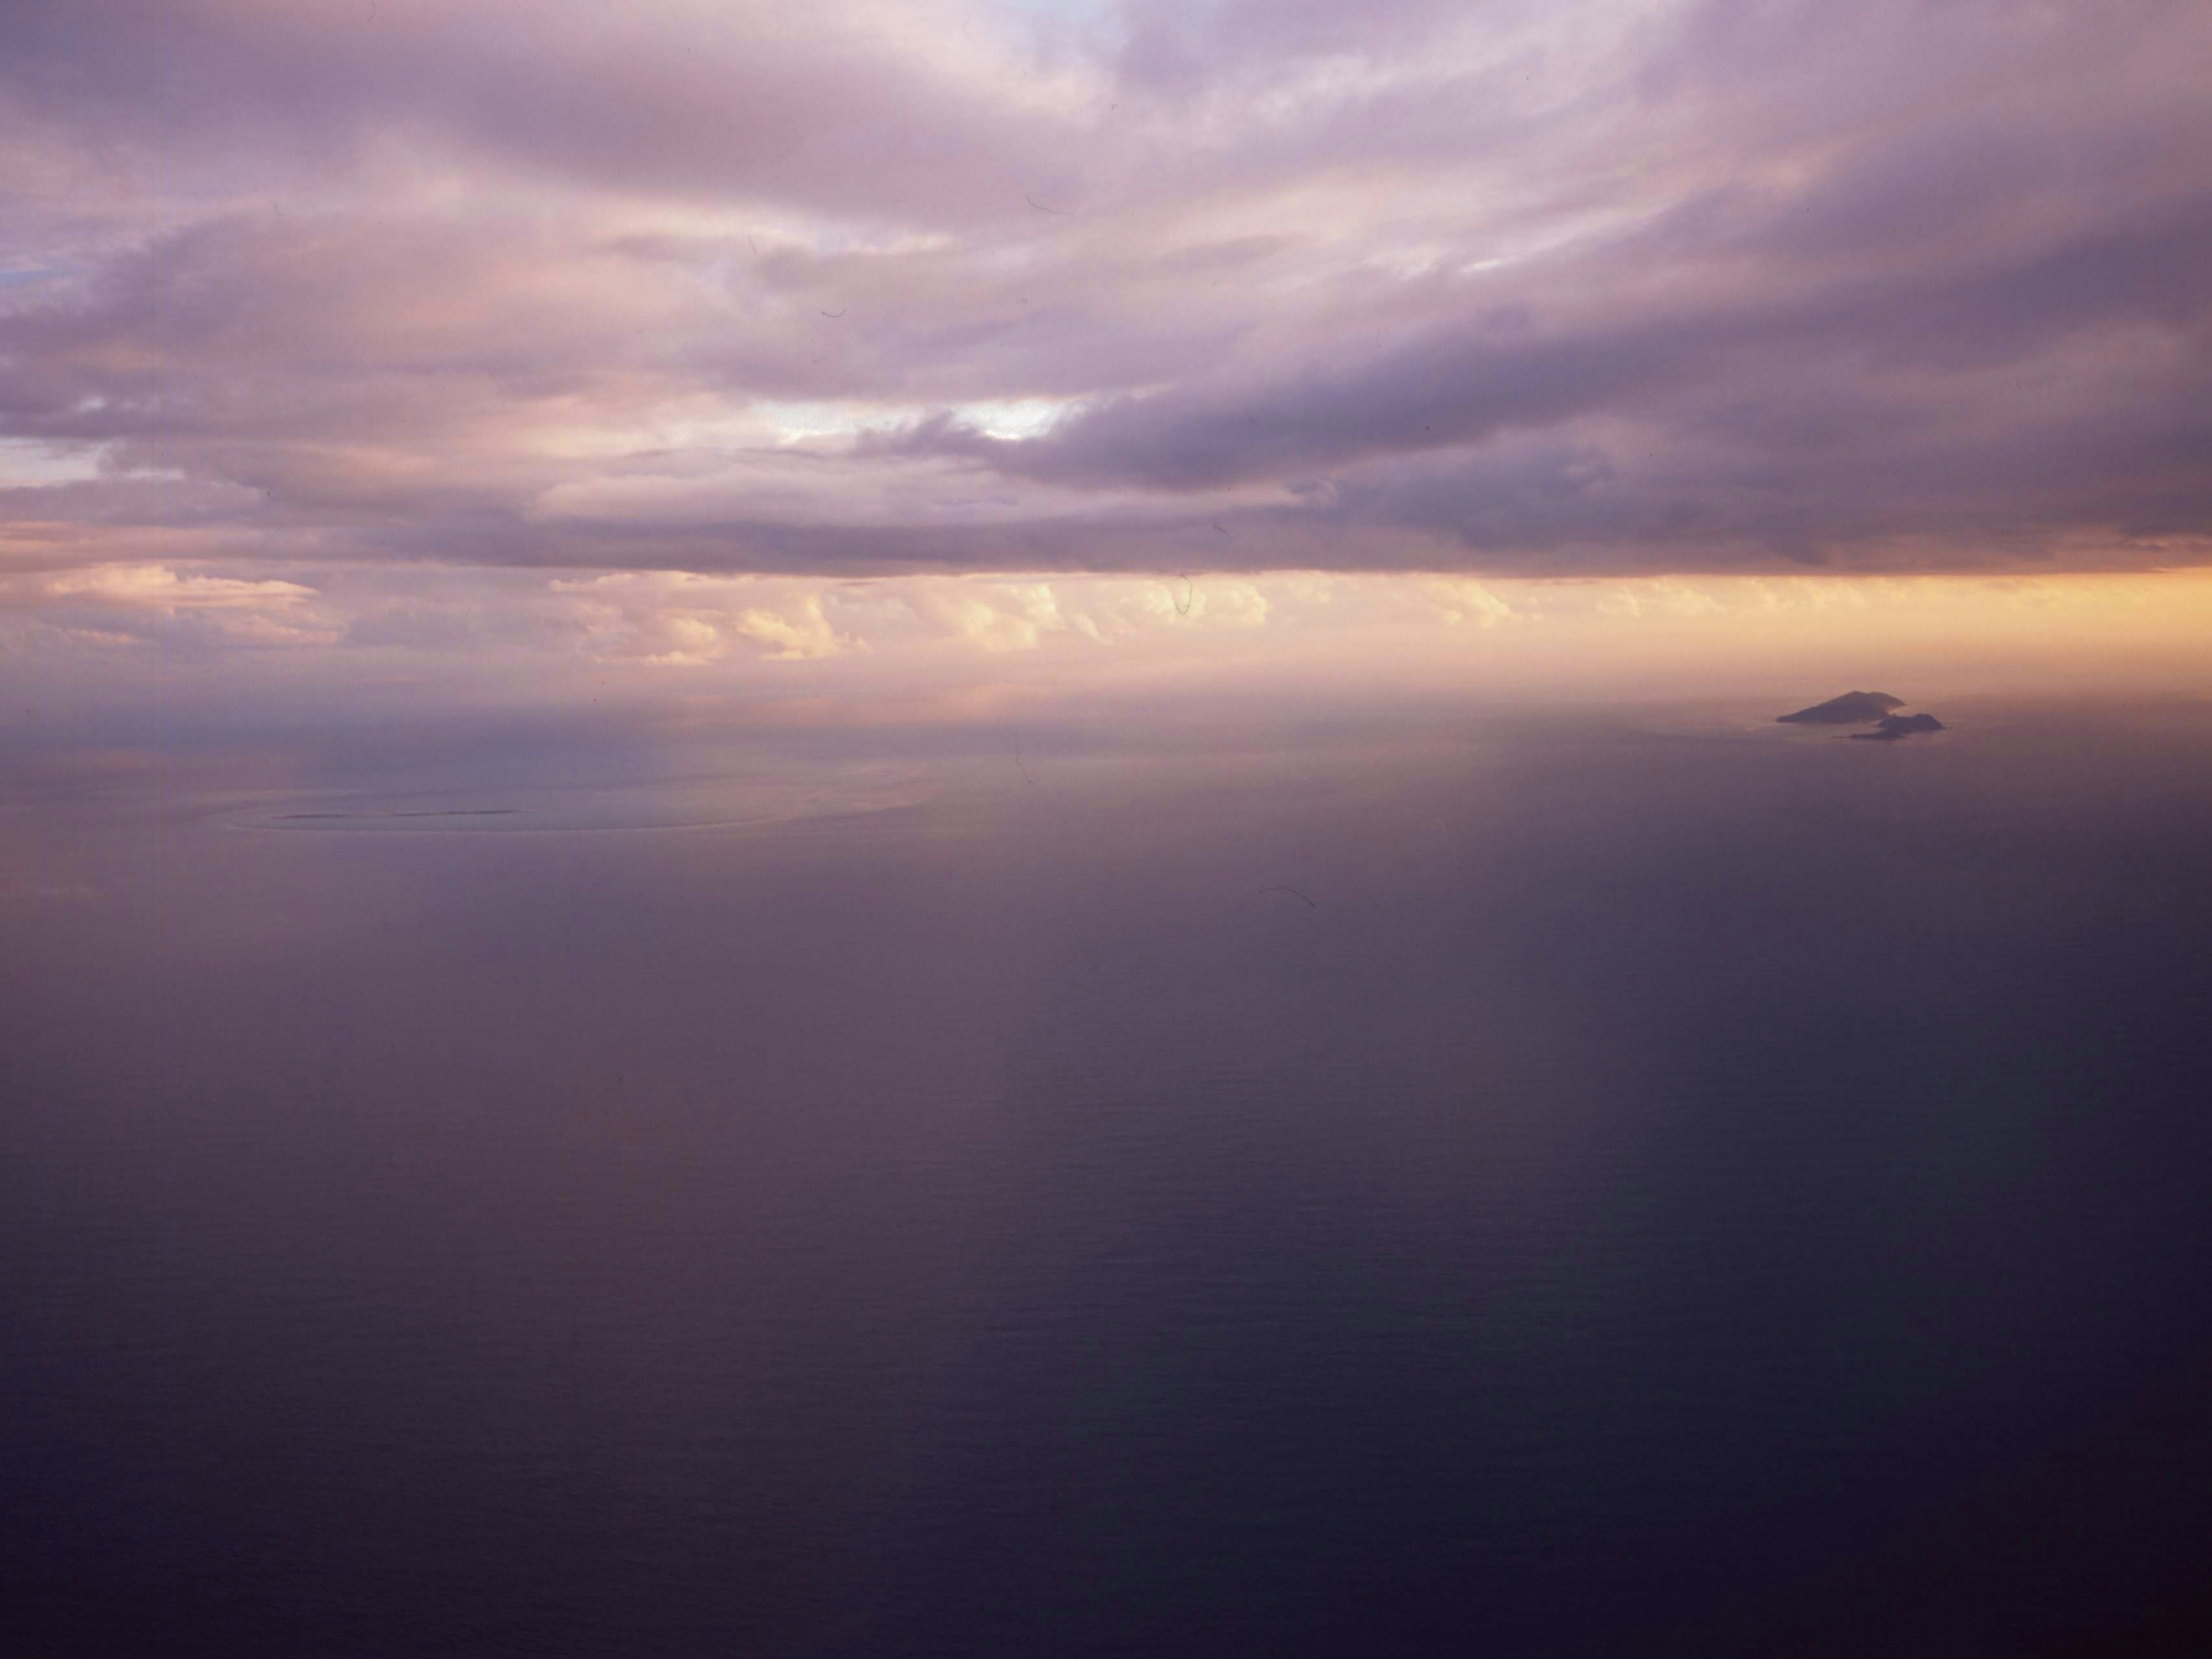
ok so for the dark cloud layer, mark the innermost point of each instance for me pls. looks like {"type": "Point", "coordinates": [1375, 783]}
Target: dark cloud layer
{"type": "Point", "coordinates": [1897, 284]}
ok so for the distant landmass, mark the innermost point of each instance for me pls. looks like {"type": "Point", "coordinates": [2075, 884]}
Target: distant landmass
{"type": "Point", "coordinates": [1865, 708]}
{"type": "Point", "coordinates": [1890, 727]}
{"type": "Point", "coordinates": [1852, 708]}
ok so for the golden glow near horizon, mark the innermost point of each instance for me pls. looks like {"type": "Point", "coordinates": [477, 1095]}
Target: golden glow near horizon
{"type": "Point", "coordinates": [1046, 634]}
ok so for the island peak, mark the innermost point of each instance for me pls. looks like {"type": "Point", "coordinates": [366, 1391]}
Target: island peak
{"type": "Point", "coordinates": [1852, 708]}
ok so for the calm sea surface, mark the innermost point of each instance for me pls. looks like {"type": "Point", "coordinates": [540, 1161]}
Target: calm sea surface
{"type": "Point", "coordinates": [1579, 1183]}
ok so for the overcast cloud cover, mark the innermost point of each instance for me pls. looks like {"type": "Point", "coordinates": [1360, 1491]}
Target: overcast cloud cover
{"type": "Point", "coordinates": [856, 288]}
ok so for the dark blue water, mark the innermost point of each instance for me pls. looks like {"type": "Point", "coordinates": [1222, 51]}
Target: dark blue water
{"type": "Point", "coordinates": [1582, 1184]}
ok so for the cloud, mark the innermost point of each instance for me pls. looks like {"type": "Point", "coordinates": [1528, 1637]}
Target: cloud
{"type": "Point", "coordinates": [945, 286]}
{"type": "Point", "coordinates": [278, 644]}
{"type": "Point", "coordinates": [157, 587]}
{"type": "Point", "coordinates": [678, 619]}
{"type": "Point", "coordinates": [125, 605]}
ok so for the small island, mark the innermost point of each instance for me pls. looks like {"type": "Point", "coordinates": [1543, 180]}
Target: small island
{"type": "Point", "coordinates": [1874, 709]}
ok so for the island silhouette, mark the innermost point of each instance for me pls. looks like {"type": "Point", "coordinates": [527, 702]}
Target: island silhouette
{"type": "Point", "coordinates": [1873, 708]}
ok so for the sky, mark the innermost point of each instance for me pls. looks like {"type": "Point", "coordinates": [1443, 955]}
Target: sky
{"type": "Point", "coordinates": [669, 334]}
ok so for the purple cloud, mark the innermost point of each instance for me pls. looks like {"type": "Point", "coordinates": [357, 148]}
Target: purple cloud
{"type": "Point", "coordinates": [981, 285]}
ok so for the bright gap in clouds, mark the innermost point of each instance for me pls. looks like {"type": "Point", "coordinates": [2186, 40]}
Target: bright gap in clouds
{"type": "Point", "coordinates": [1014, 418]}
{"type": "Point", "coordinates": [25, 463]}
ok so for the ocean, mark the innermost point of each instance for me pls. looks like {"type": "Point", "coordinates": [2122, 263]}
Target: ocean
{"type": "Point", "coordinates": [1435, 1180]}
